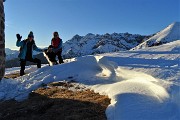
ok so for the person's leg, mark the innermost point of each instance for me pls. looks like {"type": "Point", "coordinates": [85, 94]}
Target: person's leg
{"type": "Point", "coordinates": [52, 58]}
{"type": "Point", "coordinates": [22, 64]}
{"type": "Point", "coordinates": [60, 57]}
{"type": "Point", "coordinates": [38, 61]}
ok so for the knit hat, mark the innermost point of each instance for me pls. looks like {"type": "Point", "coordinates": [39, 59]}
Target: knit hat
{"type": "Point", "coordinates": [31, 34]}
{"type": "Point", "coordinates": [55, 33]}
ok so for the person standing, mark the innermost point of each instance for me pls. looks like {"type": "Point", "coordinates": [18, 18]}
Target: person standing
{"type": "Point", "coordinates": [56, 42]}
{"type": "Point", "coordinates": [26, 51]}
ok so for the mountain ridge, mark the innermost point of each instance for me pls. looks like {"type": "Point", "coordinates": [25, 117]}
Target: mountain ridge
{"type": "Point", "coordinates": [168, 34]}
{"type": "Point", "coordinates": [96, 44]}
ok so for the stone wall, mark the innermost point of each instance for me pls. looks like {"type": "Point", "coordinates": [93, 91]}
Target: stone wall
{"type": "Point", "coordinates": [2, 40]}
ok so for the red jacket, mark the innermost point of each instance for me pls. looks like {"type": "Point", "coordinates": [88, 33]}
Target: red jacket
{"type": "Point", "coordinates": [56, 43]}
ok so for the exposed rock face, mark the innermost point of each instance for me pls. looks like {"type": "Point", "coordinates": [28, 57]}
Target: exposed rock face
{"type": "Point", "coordinates": [96, 44]}
{"type": "Point", "coordinates": [2, 40]}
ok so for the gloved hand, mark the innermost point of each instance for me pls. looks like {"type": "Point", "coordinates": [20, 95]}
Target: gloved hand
{"type": "Point", "coordinates": [18, 37]}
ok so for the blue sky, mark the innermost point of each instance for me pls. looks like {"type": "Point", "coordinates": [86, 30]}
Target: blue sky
{"type": "Point", "coordinates": [70, 17]}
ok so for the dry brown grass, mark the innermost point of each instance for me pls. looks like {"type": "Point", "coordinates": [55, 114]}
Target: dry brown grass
{"type": "Point", "coordinates": [14, 75]}
{"type": "Point", "coordinates": [57, 103]}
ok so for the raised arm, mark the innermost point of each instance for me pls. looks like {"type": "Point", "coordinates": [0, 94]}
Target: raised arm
{"type": "Point", "coordinates": [19, 43]}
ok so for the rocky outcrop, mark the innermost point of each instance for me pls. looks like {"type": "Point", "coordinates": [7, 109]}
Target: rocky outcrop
{"type": "Point", "coordinates": [2, 40]}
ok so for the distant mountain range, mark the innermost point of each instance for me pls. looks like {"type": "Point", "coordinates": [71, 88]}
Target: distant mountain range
{"type": "Point", "coordinates": [11, 54]}
{"type": "Point", "coordinates": [96, 44]}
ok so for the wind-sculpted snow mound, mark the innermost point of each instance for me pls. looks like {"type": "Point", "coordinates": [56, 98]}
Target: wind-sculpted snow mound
{"type": "Point", "coordinates": [134, 95]}
{"type": "Point", "coordinates": [135, 99]}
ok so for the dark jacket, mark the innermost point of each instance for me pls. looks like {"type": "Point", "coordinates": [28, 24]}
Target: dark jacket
{"type": "Point", "coordinates": [51, 56]}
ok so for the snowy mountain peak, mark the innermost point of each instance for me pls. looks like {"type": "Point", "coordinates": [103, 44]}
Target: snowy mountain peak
{"type": "Point", "coordinates": [175, 24]}
{"type": "Point", "coordinates": [169, 34]}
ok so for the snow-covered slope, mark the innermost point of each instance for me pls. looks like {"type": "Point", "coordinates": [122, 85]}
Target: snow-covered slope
{"type": "Point", "coordinates": [93, 44]}
{"type": "Point", "coordinates": [169, 34]}
{"type": "Point", "coordinates": [142, 84]}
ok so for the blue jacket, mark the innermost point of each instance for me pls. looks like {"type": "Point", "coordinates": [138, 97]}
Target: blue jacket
{"type": "Point", "coordinates": [23, 49]}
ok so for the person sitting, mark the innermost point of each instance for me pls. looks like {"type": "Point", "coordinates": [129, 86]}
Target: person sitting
{"type": "Point", "coordinates": [50, 56]}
